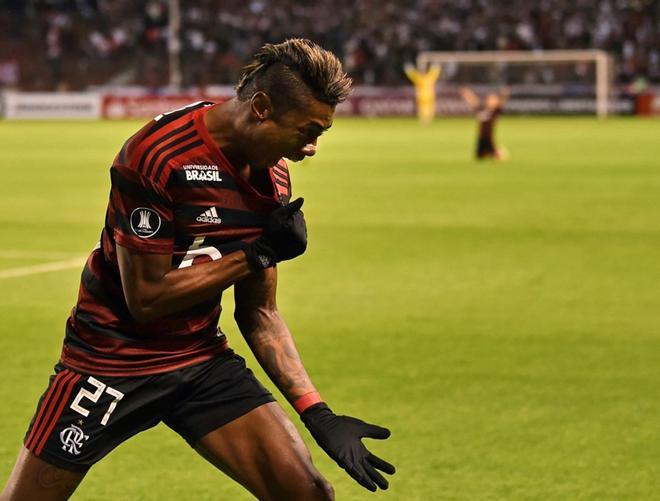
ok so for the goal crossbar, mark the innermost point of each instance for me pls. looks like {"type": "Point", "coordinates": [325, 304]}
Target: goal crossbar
{"type": "Point", "coordinates": [599, 57]}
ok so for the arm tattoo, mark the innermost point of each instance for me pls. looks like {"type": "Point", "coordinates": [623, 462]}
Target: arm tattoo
{"type": "Point", "coordinates": [268, 336]}
{"type": "Point", "coordinates": [278, 356]}
{"type": "Point", "coordinates": [285, 368]}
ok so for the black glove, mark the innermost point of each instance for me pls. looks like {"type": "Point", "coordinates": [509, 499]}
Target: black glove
{"type": "Point", "coordinates": [284, 237]}
{"type": "Point", "coordinates": [339, 437]}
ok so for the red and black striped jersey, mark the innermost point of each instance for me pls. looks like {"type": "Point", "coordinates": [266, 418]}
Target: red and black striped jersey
{"type": "Point", "coordinates": [172, 192]}
{"type": "Point", "coordinates": [486, 118]}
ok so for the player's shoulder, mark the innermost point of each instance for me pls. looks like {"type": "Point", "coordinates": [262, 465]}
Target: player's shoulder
{"type": "Point", "coordinates": [171, 134]}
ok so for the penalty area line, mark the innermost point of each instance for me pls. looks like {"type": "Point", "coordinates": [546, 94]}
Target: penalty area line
{"type": "Point", "coordinates": [42, 268]}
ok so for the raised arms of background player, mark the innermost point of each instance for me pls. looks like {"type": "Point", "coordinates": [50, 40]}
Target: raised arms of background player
{"type": "Point", "coordinates": [470, 97]}
{"type": "Point", "coordinates": [473, 100]}
{"type": "Point", "coordinates": [272, 344]}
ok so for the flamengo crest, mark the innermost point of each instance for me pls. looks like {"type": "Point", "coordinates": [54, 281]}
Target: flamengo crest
{"type": "Point", "coordinates": [72, 439]}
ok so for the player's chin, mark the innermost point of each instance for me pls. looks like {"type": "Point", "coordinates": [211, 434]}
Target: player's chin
{"type": "Point", "coordinates": [295, 158]}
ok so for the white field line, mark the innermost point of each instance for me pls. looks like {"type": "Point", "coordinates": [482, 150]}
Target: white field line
{"type": "Point", "coordinates": [42, 268]}
{"type": "Point", "coordinates": [22, 254]}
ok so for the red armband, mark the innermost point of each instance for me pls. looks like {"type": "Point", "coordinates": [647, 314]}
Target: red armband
{"type": "Point", "coordinates": [307, 400]}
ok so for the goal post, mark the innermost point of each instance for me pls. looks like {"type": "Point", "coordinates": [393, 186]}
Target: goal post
{"type": "Point", "coordinates": [601, 60]}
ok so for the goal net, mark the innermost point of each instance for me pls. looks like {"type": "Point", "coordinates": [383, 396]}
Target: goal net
{"type": "Point", "coordinates": [579, 80]}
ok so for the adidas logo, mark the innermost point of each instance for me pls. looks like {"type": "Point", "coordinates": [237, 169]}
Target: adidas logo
{"type": "Point", "coordinates": [209, 216]}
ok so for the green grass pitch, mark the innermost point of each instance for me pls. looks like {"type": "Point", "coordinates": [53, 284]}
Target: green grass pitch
{"type": "Point", "coordinates": [502, 319]}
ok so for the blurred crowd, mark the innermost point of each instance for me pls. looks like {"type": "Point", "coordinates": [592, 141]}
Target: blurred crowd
{"type": "Point", "coordinates": [77, 44]}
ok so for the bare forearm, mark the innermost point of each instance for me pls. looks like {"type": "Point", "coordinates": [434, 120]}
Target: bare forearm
{"type": "Point", "coordinates": [273, 346]}
{"type": "Point", "coordinates": [179, 289]}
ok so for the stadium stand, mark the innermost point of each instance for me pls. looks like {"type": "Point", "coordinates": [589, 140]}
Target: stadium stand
{"type": "Point", "coordinates": [80, 44]}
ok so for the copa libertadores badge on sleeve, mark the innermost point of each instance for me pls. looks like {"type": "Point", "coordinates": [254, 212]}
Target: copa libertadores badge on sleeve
{"type": "Point", "coordinates": [145, 222]}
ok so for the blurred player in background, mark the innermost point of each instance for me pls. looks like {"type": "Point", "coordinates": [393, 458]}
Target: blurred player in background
{"type": "Point", "coordinates": [424, 83]}
{"type": "Point", "coordinates": [200, 201]}
{"type": "Point", "coordinates": [487, 112]}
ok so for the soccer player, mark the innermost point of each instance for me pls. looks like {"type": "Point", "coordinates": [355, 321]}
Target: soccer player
{"type": "Point", "coordinates": [424, 83]}
{"type": "Point", "coordinates": [486, 113]}
{"type": "Point", "coordinates": [200, 201]}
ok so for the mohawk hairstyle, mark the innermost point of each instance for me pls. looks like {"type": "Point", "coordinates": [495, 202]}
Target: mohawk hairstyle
{"type": "Point", "coordinates": [289, 71]}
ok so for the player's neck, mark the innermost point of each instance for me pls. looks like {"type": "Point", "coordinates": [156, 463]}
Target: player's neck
{"type": "Point", "coordinates": [223, 124]}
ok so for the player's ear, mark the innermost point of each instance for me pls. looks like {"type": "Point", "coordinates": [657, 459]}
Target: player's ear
{"type": "Point", "coordinates": [261, 106]}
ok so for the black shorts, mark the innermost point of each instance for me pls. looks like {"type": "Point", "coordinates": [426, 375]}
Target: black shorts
{"type": "Point", "coordinates": [81, 418]}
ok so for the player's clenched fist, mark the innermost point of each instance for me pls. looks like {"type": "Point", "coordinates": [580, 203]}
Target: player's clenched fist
{"type": "Point", "coordinates": [340, 437]}
{"type": "Point", "coordinates": [284, 237]}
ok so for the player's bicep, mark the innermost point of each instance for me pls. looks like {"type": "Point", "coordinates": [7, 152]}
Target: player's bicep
{"type": "Point", "coordinates": [257, 290]}
{"type": "Point", "coordinates": [254, 298]}
{"type": "Point", "coordinates": [141, 274]}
